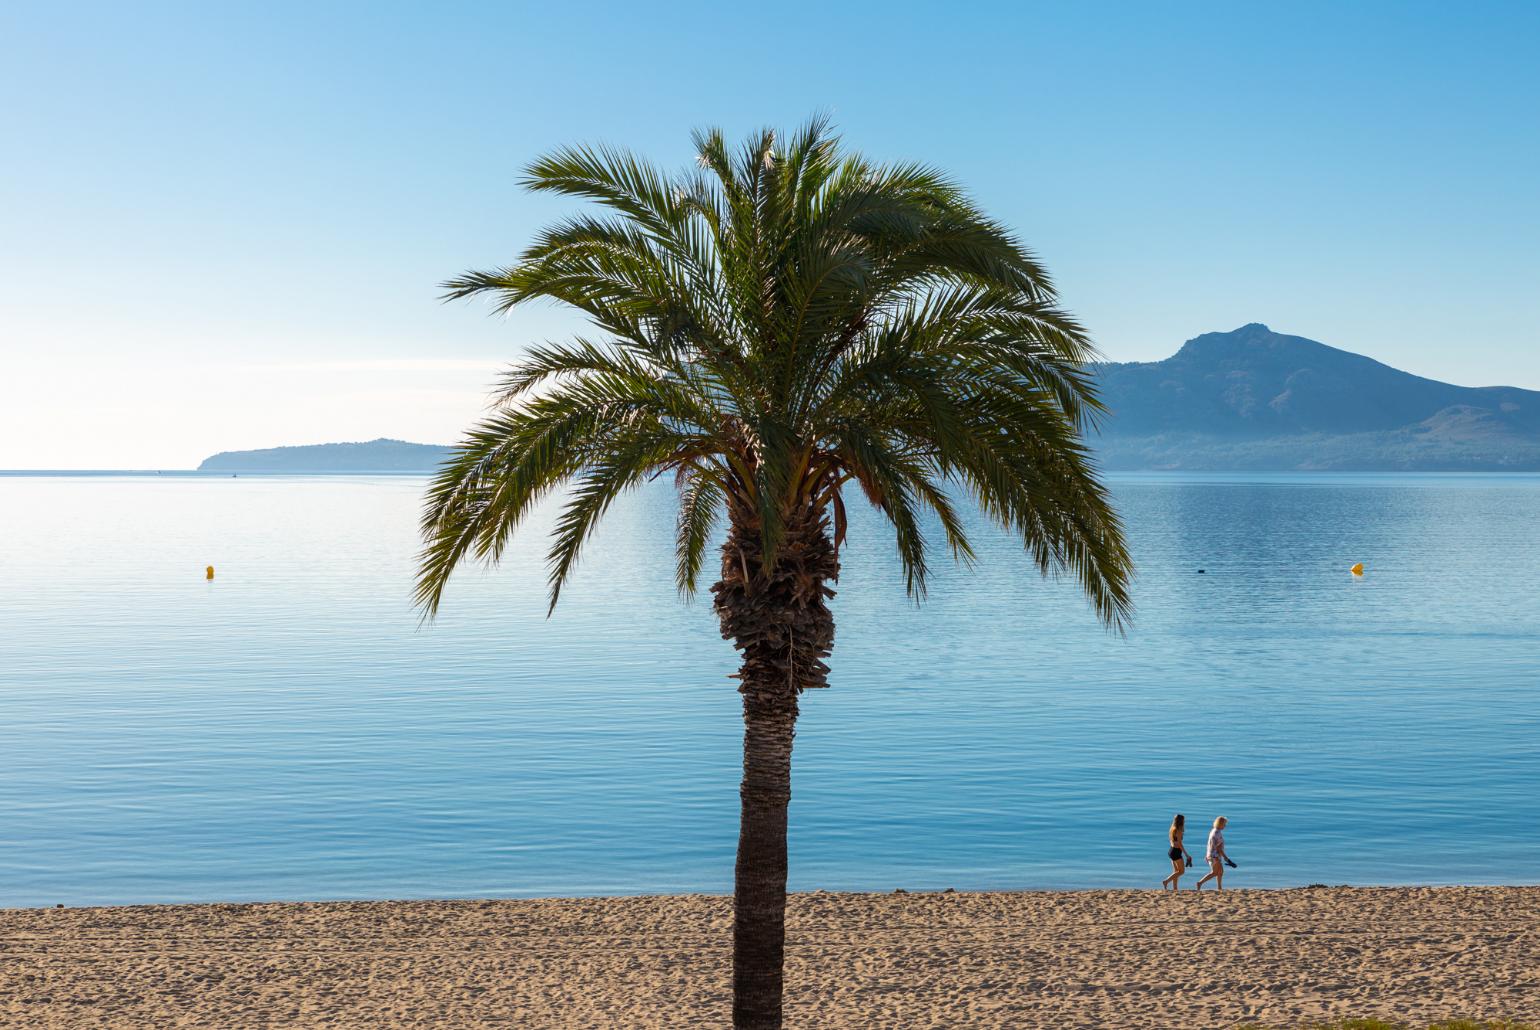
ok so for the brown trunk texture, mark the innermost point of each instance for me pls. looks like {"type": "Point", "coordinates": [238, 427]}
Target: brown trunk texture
{"type": "Point", "coordinates": [781, 625]}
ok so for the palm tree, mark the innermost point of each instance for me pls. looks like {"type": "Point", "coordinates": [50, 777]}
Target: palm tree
{"type": "Point", "coordinates": [782, 323]}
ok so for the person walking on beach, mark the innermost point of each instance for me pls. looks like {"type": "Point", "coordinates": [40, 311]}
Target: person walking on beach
{"type": "Point", "coordinates": [1216, 856]}
{"type": "Point", "coordinates": [1178, 855]}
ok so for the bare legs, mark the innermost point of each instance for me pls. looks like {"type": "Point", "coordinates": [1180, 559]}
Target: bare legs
{"type": "Point", "coordinates": [1177, 868]}
{"type": "Point", "coordinates": [1216, 873]}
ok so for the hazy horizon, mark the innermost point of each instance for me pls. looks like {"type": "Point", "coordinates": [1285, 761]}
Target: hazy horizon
{"type": "Point", "coordinates": [1116, 405]}
{"type": "Point", "coordinates": [224, 229]}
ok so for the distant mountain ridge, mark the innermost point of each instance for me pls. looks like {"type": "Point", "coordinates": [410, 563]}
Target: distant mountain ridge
{"type": "Point", "coordinates": [1247, 400]}
{"type": "Point", "coordinates": [1253, 399]}
{"type": "Point", "coordinates": [382, 455]}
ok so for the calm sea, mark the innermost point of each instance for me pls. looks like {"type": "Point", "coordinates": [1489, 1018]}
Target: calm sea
{"type": "Point", "coordinates": [289, 731]}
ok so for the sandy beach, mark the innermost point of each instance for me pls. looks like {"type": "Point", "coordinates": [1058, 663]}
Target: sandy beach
{"type": "Point", "coordinates": [1071, 959]}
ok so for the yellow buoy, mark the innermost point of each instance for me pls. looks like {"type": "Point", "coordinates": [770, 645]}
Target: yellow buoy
{"type": "Point", "coordinates": [1357, 570]}
{"type": "Point", "coordinates": [208, 573]}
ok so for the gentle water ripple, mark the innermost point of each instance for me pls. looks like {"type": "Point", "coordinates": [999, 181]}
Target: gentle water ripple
{"type": "Point", "coordinates": [288, 731]}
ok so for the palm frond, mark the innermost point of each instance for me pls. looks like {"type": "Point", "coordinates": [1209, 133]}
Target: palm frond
{"type": "Point", "coordinates": [700, 502]}
{"type": "Point", "coordinates": [777, 323]}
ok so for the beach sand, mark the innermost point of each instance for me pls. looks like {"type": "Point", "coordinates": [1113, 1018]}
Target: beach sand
{"type": "Point", "coordinates": [1070, 959]}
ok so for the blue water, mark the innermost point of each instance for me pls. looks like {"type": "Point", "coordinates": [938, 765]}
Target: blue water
{"type": "Point", "coordinates": [288, 731]}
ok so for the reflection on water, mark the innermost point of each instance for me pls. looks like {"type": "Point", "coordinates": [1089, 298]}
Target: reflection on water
{"type": "Point", "coordinates": [288, 731]}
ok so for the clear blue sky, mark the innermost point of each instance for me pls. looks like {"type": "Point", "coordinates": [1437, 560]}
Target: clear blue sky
{"type": "Point", "coordinates": [223, 225]}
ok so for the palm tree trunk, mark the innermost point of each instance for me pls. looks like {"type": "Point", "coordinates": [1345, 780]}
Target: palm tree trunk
{"type": "Point", "coordinates": [781, 624]}
{"type": "Point", "coordinates": [759, 881]}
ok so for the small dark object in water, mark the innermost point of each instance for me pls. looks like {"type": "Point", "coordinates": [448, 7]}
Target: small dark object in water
{"type": "Point", "coordinates": [58, 906]}
{"type": "Point", "coordinates": [950, 890]}
{"type": "Point", "coordinates": [1202, 571]}
{"type": "Point", "coordinates": [899, 890]}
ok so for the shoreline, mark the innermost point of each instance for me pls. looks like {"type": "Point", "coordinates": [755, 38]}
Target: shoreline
{"type": "Point", "coordinates": [1191, 875]}
{"type": "Point", "coordinates": [1126, 958]}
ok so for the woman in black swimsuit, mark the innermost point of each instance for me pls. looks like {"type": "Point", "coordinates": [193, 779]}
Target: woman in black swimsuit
{"type": "Point", "coordinates": [1177, 853]}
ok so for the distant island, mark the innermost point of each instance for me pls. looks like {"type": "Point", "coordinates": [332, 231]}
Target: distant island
{"type": "Point", "coordinates": [1256, 400]}
{"type": "Point", "coordinates": [1247, 400]}
{"type": "Point", "coordinates": [380, 455]}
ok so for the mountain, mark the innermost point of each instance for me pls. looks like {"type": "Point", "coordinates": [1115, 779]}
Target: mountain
{"type": "Point", "coordinates": [374, 456]}
{"type": "Point", "coordinates": [1247, 400]}
{"type": "Point", "coordinates": [1254, 399]}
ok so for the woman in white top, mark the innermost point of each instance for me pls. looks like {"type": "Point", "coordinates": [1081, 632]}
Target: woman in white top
{"type": "Point", "coordinates": [1216, 856]}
